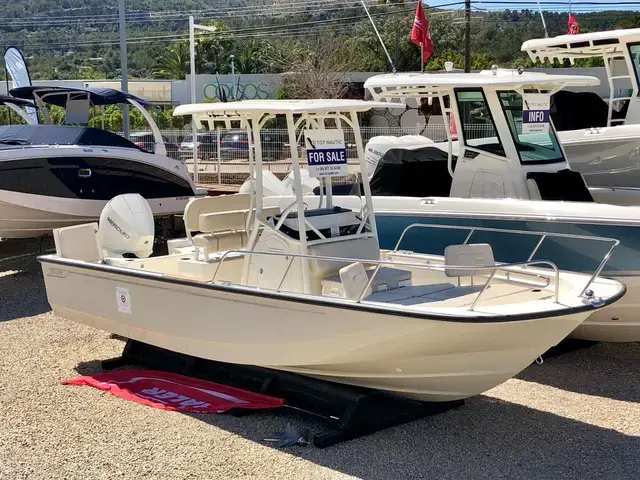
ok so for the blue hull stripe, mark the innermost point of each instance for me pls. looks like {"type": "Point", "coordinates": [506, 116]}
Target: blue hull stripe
{"type": "Point", "coordinates": [569, 254]}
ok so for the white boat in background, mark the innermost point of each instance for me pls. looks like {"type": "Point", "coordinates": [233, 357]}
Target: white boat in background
{"type": "Point", "coordinates": [601, 139]}
{"type": "Point", "coordinates": [496, 178]}
{"type": "Point", "coordinates": [307, 289]}
{"type": "Point", "coordinates": [57, 175]}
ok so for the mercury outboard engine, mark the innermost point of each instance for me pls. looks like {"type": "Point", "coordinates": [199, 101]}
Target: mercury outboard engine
{"type": "Point", "coordinates": [127, 227]}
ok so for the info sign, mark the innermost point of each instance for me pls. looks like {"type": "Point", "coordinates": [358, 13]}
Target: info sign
{"type": "Point", "coordinates": [535, 113]}
{"type": "Point", "coordinates": [326, 153]}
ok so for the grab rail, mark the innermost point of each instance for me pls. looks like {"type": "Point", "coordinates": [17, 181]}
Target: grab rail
{"type": "Point", "coordinates": [379, 263]}
{"type": "Point", "coordinates": [543, 237]}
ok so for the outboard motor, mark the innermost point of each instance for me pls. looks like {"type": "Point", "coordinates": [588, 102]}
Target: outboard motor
{"type": "Point", "coordinates": [127, 227]}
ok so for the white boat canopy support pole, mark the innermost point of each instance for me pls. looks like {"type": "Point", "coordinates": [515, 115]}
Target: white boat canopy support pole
{"type": "Point", "coordinates": [302, 228]}
{"type": "Point", "coordinates": [23, 115]}
{"type": "Point", "coordinates": [192, 91]}
{"type": "Point", "coordinates": [355, 125]}
{"type": "Point", "coordinates": [160, 149]}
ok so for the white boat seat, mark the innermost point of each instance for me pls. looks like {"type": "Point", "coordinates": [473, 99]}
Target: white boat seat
{"type": "Point", "coordinates": [469, 255]}
{"type": "Point", "coordinates": [79, 242]}
{"type": "Point", "coordinates": [220, 203]}
{"type": "Point", "coordinates": [348, 284]}
{"type": "Point", "coordinates": [216, 242]}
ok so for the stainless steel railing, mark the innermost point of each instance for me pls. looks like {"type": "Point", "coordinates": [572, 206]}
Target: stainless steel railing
{"type": "Point", "coordinates": [379, 263]}
{"type": "Point", "coordinates": [543, 237]}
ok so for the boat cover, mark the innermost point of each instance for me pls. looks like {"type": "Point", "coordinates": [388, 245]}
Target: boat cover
{"type": "Point", "coordinates": [60, 135]}
{"type": "Point", "coordinates": [56, 95]}
{"type": "Point", "coordinates": [420, 172]}
{"type": "Point", "coordinates": [578, 110]}
{"type": "Point", "coordinates": [563, 185]}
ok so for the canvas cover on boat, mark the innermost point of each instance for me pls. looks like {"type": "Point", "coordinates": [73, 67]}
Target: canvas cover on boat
{"type": "Point", "coordinates": [563, 185]}
{"type": "Point", "coordinates": [60, 135]}
{"type": "Point", "coordinates": [418, 172]}
{"type": "Point", "coordinates": [56, 95]}
{"type": "Point", "coordinates": [578, 110]}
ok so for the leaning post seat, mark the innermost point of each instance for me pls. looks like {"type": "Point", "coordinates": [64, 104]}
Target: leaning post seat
{"type": "Point", "coordinates": [220, 222]}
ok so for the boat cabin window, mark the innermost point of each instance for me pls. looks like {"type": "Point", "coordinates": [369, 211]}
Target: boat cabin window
{"type": "Point", "coordinates": [477, 123]}
{"type": "Point", "coordinates": [531, 147]}
{"type": "Point", "coordinates": [634, 53]}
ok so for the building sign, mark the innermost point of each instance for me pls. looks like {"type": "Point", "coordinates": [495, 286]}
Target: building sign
{"type": "Point", "coordinates": [326, 153]}
{"type": "Point", "coordinates": [535, 113]}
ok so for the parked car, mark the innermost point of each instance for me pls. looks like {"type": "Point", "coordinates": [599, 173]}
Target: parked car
{"type": "Point", "coordinates": [145, 141]}
{"type": "Point", "coordinates": [207, 146]}
{"type": "Point", "coordinates": [235, 146]}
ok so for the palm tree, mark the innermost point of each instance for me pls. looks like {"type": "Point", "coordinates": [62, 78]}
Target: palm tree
{"type": "Point", "coordinates": [174, 63]}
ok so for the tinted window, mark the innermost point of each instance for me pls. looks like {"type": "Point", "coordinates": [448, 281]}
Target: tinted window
{"type": "Point", "coordinates": [477, 123]}
{"type": "Point", "coordinates": [531, 147]}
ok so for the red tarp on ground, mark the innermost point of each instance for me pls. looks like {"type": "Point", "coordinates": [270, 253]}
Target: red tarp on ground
{"type": "Point", "coordinates": [170, 391]}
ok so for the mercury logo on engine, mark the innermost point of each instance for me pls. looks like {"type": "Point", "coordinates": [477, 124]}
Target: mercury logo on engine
{"type": "Point", "coordinates": [115, 225]}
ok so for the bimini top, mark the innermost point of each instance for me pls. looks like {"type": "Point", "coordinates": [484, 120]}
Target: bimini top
{"type": "Point", "coordinates": [275, 107]}
{"type": "Point", "coordinates": [5, 99]}
{"type": "Point", "coordinates": [582, 45]}
{"type": "Point", "coordinates": [16, 135]}
{"type": "Point", "coordinates": [499, 78]}
{"type": "Point", "coordinates": [55, 95]}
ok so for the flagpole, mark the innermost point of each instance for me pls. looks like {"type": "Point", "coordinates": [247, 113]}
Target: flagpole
{"type": "Point", "coordinates": [393, 66]}
{"type": "Point", "coordinates": [421, 58]}
{"type": "Point", "coordinates": [544, 25]}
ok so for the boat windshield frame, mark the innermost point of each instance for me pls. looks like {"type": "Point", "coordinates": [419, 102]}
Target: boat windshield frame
{"type": "Point", "coordinates": [462, 131]}
{"type": "Point", "coordinates": [522, 147]}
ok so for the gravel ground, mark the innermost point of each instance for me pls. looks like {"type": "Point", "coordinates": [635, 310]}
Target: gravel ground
{"type": "Point", "coordinates": [574, 416]}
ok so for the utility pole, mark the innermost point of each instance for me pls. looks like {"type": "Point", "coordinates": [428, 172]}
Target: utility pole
{"type": "Point", "coordinates": [124, 84]}
{"type": "Point", "coordinates": [192, 94]}
{"type": "Point", "coordinates": [233, 76]}
{"type": "Point", "coordinates": [467, 36]}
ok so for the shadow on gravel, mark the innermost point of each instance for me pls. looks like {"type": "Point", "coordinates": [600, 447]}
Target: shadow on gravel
{"type": "Point", "coordinates": [22, 291]}
{"type": "Point", "coordinates": [608, 370]}
{"type": "Point", "coordinates": [486, 438]}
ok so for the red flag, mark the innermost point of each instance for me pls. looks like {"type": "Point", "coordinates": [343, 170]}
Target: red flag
{"type": "Point", "coordinates": [170, 391]}
{"type": "Point", "coordinates": [574, 28]}
{"type": "Point", "coordinates": [421, 33]}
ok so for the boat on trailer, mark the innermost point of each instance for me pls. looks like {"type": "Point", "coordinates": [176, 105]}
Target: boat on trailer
{"type": "Point", "coordinates": [307, 289]}
{"type": "Point", "coordinates": [58, 175]}
{"type": "Point", "coordinates": [601, 138]}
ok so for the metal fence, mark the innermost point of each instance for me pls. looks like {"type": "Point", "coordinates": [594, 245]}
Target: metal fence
{"type": "Point", "coordinates": [223, 154]}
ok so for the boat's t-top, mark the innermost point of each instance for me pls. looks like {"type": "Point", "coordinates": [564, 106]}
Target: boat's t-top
{"type": "Point", "coordinates": [618, 48]}
{"type": "Point", "coordinates": [77, 100]}
{"type": "Point", "coordinates": [501, 117]}
{"type": "Point", "coordinates": [299, 227]}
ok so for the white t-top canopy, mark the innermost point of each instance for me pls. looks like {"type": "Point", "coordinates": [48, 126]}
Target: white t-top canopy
{"type": "Point", "coordinates": [583, 45]}
{"type": "Point", "coordinates": [388, 85]}
{"type": "Point", "coordinates": [274, 107]}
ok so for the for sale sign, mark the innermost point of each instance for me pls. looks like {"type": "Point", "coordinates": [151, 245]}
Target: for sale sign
{"type": "Point", "coordinates": [535, 113]}
{"type": "Point", "coordinates": [326, 153]}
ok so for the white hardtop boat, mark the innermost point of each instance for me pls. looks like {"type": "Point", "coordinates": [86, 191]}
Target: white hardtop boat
{"type": "Point", "coordinates": [601, 139]}
{"type": "Point", "coordinates": [57, 175]}
{"type": "Point", "coordinates": [306, 288]}
{"type": "Point", "coordinates": [491, 175]}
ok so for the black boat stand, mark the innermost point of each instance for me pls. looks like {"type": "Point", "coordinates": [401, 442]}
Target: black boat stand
{"type": "Point", "coordinates": [351, 412]}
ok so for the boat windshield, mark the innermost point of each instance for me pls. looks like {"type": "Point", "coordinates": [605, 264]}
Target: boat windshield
{"type": "Point", "coordinates": [531, 147]}
{"type": "Point", "coordinates": [477, 123]}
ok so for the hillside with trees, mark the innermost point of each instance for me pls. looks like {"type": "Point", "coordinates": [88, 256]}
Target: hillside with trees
{"type": "Point", "coordinates": [78, 39]}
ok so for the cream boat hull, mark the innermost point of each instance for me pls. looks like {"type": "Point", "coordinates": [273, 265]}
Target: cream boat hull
{"type": "Point", "coordinates": [419, 356]}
